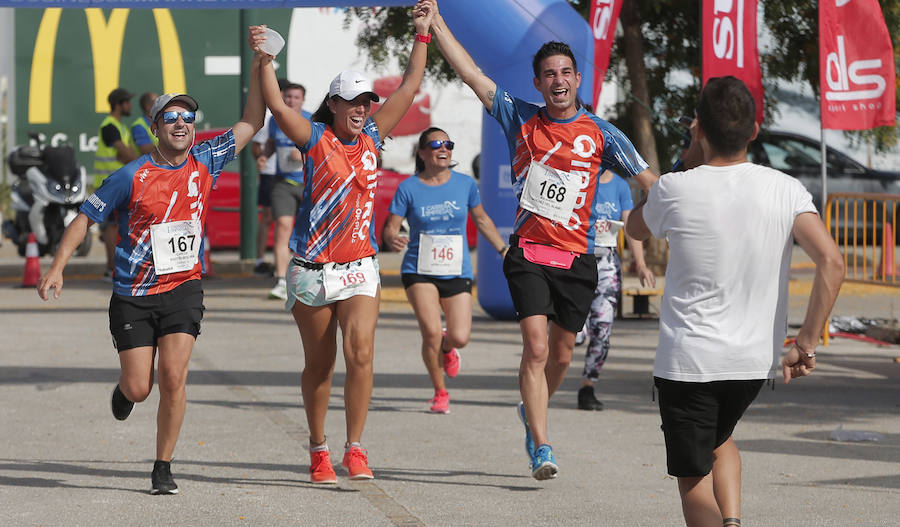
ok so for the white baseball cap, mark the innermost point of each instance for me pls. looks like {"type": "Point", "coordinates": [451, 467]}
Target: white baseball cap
{"type": "Point", "coordinates": [350, 84]}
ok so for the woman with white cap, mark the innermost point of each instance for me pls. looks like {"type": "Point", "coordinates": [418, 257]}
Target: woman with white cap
{"type": "Point", "coordinates": [333, 277]}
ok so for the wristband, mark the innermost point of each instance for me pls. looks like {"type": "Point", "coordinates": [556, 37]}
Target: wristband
{"type": "Point", "coordinates": [803, 350]}
{"type": "Point", "coordinates": [500, 251]}
{"type": "Point", "coordinates": [423, 38]}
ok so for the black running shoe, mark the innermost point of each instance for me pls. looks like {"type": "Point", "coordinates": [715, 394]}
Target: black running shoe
{"type": "Point", "coordinates": [263, 269]}
{"type": "Point", "coordinates": [587, 400]}
{"type": "Point", "coordinates": [161, 478]}
{"type": "Point", "coordinates": [121, 406]}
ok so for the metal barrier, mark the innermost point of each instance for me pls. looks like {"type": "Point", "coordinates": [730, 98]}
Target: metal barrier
{"type": "Point", "coordinates": [863, 226]}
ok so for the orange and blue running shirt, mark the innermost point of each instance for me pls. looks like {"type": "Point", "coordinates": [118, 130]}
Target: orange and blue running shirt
{"type": "Point", "coordinates": [584, 145]}
{"type": "Point", "coordinates": [144, 194]}
{"type": "Point", "coordinates": [334, 221]}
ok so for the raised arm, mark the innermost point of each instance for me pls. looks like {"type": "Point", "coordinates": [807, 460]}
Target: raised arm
{"type": "Point", "coordinates": [461, 62]}
{"type": "Point", "coordinates": [255, 109]}
{"type": "Point", "coordinates": [295, 126]}
{"type": "Point", "coordinates": [811, 234]}
{"type": "Point", "coordinates": [396, 105]}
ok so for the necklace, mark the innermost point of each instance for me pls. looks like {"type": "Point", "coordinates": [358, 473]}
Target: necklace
{"type": "Point", "coordinates": [164, 157]}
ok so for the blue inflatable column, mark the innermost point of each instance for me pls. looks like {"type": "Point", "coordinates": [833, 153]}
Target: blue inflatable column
{"type": "Point", "coordinates": [503, 36]}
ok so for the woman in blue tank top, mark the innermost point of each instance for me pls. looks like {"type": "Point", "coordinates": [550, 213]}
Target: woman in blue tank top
{"type": "Point", "coordinates": [437, 270]}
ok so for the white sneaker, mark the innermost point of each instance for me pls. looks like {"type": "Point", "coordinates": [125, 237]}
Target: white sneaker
{"type": "Point", "coordinates": [279, 292]}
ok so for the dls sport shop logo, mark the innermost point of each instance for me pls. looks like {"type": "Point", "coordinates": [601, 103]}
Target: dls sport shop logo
{"type": "Point", "coordinates": [856, 66]}
{"type": "Point", "coordinates": [107, 37]}
{"type": "Point", "coordinates": [850, 82]}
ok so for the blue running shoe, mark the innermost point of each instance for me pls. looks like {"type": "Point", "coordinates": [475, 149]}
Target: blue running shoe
{"type": "Point", "coordinates": [543, 465]}
{"type": "Point", "coordinates": [529, 442]}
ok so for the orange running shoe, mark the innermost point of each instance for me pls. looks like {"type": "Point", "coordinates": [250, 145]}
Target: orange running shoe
{"type": "Point", "coordinates": [356, 461]}
{"type": "Point", "coordinates": [320, 470]}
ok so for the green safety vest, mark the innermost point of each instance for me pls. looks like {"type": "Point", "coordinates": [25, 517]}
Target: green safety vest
{"type": "Point", "coordinates": [143, 124]}
{"type": "Point", "coordinates": [105, 162]}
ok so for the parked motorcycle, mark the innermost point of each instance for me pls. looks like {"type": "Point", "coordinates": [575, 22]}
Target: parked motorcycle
{"type": "Point", "coordinates": [46, 194]}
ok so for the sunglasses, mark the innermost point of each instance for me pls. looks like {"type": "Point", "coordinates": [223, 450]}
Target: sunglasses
{"type": "Point", "coordinates": [171, 117]}
{"type": "Point", "coordinates": [437, 144]}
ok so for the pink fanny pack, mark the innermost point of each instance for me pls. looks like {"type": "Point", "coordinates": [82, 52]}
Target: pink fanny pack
{"type": "Point", "coordinates": [545, 254]}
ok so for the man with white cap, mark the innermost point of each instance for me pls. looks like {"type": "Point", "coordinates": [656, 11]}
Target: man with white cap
{"type": "Point", "coordinates": [157, 303]}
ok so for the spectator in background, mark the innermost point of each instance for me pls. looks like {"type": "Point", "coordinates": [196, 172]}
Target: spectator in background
{"type": "Point", "coordinates": [287, 188]}
{"type": "Point", "coordinates": [265, 165]}
{"type": "Point", "coordinates": [114, 149]}
{"type": "Point", "coordinates": [143, 138]}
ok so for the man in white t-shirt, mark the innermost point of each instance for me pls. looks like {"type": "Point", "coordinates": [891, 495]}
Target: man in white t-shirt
{"type": "Point", "coordinates": [731, 226]}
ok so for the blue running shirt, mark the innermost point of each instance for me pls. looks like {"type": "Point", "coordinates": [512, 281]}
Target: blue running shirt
{"type": "Point", "coordinates": [438, 210]}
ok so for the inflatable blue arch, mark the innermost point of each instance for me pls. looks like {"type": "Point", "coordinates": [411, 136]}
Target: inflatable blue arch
{"type": "Point", "coordinates": [501, 35]}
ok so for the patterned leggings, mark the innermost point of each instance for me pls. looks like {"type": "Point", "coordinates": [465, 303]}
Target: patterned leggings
{"type": "Point", "coordinates": [603, 311]}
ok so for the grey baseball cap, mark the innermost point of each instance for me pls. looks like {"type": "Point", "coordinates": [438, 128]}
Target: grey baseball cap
{"type": "Point", "coordinates": [164, 100]}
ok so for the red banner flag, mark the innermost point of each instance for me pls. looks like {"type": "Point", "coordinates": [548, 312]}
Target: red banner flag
{"type": "Point", "coordinates": [856, 66]}
{"type": "Point", "coordinates": [604, 18]}
{"type": "Point", "coordinates": [729, 45]}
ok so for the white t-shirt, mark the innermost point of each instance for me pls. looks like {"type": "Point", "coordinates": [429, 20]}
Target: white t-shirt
{"type": "Point", "coordinates": [724, 308]}
{"type": "Point", "coordinates": [261, 137]}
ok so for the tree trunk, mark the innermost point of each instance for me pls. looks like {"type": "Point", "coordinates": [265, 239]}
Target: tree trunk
{"type": "Point", "coordinates": [655, 251]}
{"type": "Point", "coordinates": [640, 108]}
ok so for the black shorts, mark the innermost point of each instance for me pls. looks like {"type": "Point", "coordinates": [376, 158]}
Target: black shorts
{"type": "Point", "coordinates": [137, 321]}
{"type": "Point", "coordinates": [564, 295]}
{"type": "Point", "coordinates": [446, 287]}
{"type": "Point", "coordinates": [697, 417]}
{"type": "Point", "coordinates": [264, 196]}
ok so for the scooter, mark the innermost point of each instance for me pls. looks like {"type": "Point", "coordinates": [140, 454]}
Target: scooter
{"type": "Point", "coordinates": [46, 194]}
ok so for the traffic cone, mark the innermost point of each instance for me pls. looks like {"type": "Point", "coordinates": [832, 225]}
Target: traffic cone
{"type": "Point", "coordinates": [886, 265]}
{"type": "Point", "coordinates": [207, 269]}
{"type": "Point", "coordinates": [32, 263]}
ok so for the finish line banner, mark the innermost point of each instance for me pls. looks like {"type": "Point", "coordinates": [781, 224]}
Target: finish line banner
{"type": "Point", "coordinates": [729, 45]}
{"type": "Point", "coordinates": [856, 66]}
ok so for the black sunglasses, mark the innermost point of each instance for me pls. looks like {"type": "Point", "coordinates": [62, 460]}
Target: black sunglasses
{"type": "Point", "coordinates": [434, 145]}
{"type": "Point", "coordinates": [171, 117]}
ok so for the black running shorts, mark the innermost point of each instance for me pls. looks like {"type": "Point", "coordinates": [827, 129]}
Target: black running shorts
{"type": "Point", "coordinates": [564, 295]}
{"type": "Point", "coordinates": [446, 287]}
{"type": "Point", "coordinates": [137, 321]}
{"type": "Point", "coordinates": [697, 417]}
{"type": "Point", "coordinates": [264, 194]}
